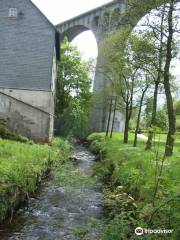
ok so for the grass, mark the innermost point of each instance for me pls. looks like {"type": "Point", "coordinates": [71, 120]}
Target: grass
{"type": "Point", "coordinates": [6, 133]}
{"type": "Point", "coordinates": [130, 177]}
{"type": "Point", "coordinates": [22, 167]}
{"type": "Point", "coordinates": [162, 138]}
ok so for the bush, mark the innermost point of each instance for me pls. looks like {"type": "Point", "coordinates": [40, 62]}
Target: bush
{"type": "Point", "coordinates": [178, 124]}
{"type": "Point", "coordinates": [96, 136]}
{"type": "Point", "coordinates": [97, 142]}
{"type": "Point", "coordinates": [177, 107]}
{"type": "Point", "coordinates": [162, 119]}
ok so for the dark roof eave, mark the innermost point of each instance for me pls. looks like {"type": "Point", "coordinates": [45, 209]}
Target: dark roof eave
{"type": "Point", "coordinates": [57, 45]}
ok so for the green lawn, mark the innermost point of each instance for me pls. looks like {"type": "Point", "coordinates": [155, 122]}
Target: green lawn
{"type": "Point", "coordinates": [162, 137]}
{"type": "Point", "coordinates": [137, 172]}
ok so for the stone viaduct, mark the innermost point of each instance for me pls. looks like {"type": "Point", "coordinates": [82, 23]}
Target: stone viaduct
{"type": "Point", "coordinates": [96, 20]}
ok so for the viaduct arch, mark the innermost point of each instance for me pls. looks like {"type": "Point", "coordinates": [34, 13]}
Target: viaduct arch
{"type": "Point", "coordinates": [96, 21]}
{"type": "Point", "coordinates": [99, 20]}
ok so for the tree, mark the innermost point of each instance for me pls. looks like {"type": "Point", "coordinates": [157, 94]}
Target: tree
{"type": "Point", "coordinates": [127, 60]}
{"type": "Point", "coordinates": [144, 58]}
{"type": "Point", "coordinates": [158, 32]}
{"type": "Point", "coordinates": [164, 26]}
{"type": "Point", "coordinates": [148, 111]}
{"type": "Point", "coordinates": [122, 65]}
{"type": "Point", "coordinates": [73, 95]}
{"type": "Point", "coordinates": [166, 76]}
{"type": "Point", "coordinates": [120, 70]}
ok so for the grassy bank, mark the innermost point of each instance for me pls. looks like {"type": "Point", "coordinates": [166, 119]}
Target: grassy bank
{"type": "Point", "coordinates": [142, 188]}
{"type": "Point", "coordinates": [22, 167]}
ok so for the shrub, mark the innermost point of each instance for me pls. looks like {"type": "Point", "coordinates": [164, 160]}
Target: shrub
{"type": "Point", "coordinates": [178, 124]}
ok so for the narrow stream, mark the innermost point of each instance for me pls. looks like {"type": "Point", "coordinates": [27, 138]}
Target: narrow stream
{"type": "Point", "coordinates": [61, 207]}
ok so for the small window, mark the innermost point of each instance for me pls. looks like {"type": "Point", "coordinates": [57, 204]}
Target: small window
{"type": "Point", "coordinates": [13, 13]}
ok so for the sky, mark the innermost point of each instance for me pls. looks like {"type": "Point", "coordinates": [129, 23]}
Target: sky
{"type": "Point", "coordinates": [58, 11]}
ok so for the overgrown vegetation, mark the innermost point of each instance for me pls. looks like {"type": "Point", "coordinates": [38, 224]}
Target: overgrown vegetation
{"type": "Point", "coordinates": [141, 187]}
{"type": "Point", "coordinates": [22, 167]}
{"type": "Point", "coordinates": [6, 133]}
{"type": "Point", "coordinates": [73, 96]}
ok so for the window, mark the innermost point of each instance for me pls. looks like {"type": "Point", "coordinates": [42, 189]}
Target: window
{"type": "Point", "coordinates": [13, 13]}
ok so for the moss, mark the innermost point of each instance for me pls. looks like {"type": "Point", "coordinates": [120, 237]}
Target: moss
{"type": "Point", "coordinates": [6, 133]}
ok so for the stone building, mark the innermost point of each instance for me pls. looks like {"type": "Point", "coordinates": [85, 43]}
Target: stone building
{"type": "Point", "coordinates": [28, 53]}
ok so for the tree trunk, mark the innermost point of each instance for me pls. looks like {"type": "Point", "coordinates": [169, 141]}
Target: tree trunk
{"type": "Point", "coordinates": [157, 81]}
{"type": "Point", "coordinates": [137, 125]}
{"type": "Point", "coordinates": [139, 116]}
{"type": "Point", "coordinates": [109, 118]}
{"type": "Point", "coordinates": [172, 122]}
{"type": "Point", "coordinates": [131, 100]}
{"type": "Point", "coordinates": [153, 119]}
{"type": "Point", "coordinates": [129, 107]}
{"type": "Point", "coordinates": [171, 114]}
{"type": "Point", "coordinates": [126, 129]}
{"type": "Point", "coordinates": [114, 114]}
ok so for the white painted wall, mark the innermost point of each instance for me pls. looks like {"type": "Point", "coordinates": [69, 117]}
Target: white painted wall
{"type": "Point", "coordinates": [24, 119]}
{"type": "Point", "coordinates": [41, 99]}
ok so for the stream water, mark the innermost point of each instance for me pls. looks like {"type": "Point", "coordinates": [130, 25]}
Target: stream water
{"type": "Point", "coordinates": [60, 208]}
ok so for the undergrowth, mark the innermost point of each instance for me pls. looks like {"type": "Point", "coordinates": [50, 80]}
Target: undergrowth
{"type": "Point", "coordinates": [142, 189]}
{"type": "Point", "coordinates": [6, 133]}
{"type": "Point", "coordinates": [22, 167]}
